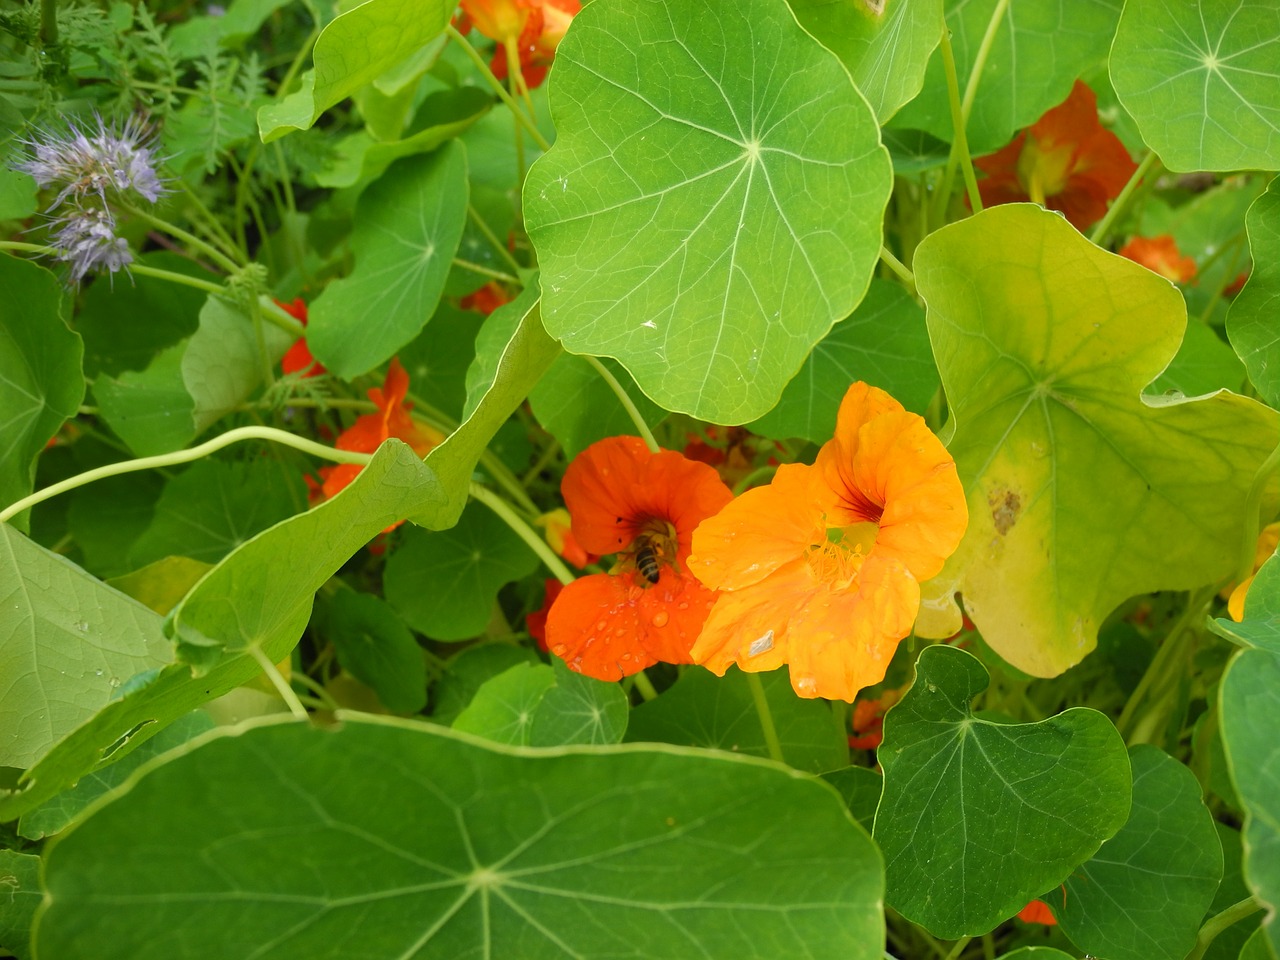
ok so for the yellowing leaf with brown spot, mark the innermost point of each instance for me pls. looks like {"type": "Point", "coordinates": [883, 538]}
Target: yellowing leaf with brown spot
{"type": "Point", "coordinates": [1081, 492]}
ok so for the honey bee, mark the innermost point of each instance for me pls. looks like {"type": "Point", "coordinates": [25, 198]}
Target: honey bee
{"type": "Point", "coordinates": [648, 558]}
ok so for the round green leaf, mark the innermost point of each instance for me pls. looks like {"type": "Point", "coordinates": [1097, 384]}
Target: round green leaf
{"type": "Point", "coordinates": [503, 708]}
{"type": "Point", "coordinates": [281, 840]}
{"type": "Point", "coordinates": [1250, 702]}
{"type": "Point", "coordinates": [408, 224]}
{"type": "Point", "coordinates": [579, 709]}
{"type": "Point", "coordinates": [703, 710]}
{"type": "Point", "coordinates": [354, 49]}
{"type": "Point", "coordinates": [885, 50]}
{"type": "Point", "coordinates": [978, 818]}
{"type": "Point", "coordinates": [444, 583]}
{"type": "Point", "coordinates": [1261, 624]}
{"type": "Point", "coordinates": [467, 671]}
{"type": "Point", "coordinates": [1082, 493]}
{"type": "Point", "coordinates": [1038, 51]}
{"type": "Point", "coordinates": [883, 342]}
{"type": "Point", "coordinates": [1251, 323]}
{"type": "Point", "coordinates": [375, 647]}
{"type": "Point", "coordinates": [1202, 80]}
{"type": "Point", "coordinates": [710, 208]}
{"type": "Point", "coordinates": [69, 642]}
{"type": "Point", "coordinates": [21, 894]}
{"type": "Point", "coordinates": [1143, 895]}
{"type": "Point", "coordinates": [40, 380]}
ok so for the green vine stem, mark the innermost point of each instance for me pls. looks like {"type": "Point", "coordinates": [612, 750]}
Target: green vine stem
{"type": "Point", "coordinates": [756, 686]}
{"type": "Point", "coordinates": [980, 60]}
{"type": "Point", "coordinates": [644, 685]}
{"type": "Point", "coordinates": [1219, 922]}
{"type": "Point", "coordinates": [1104, 226]}
{"type": "Point", "coordinates": [960, 141]}
{"type": "Point", "coordinates": [279, 682]}
{"type": "Point", "coordinates": [184, 456]}
{"type": "Point", "coordinates": [526, 533]}
{"type": "Point", "coordinates": [642, 428]}
{"type": "Point", "coordinates": [497, 86]}
{"type": "Point", "coordinates": [190, 239]}
{"type": "Point", "coordinates": [492, 237]}
{"type": "Point", "coordinates": [898, 267]}
{"type": "Point", "coordinates": [485, 271]}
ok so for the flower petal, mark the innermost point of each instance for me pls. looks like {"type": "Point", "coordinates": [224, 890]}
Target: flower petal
{"type": "Point", "coordinates": [761, 530]}
{"type": "Point", "coordinates": [615, 486]}
{"type": "Point", "coordinates": [609, 627]}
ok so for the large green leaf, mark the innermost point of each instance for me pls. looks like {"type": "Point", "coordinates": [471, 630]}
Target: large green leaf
{"type": "Point", "coordinates": [575, 405]}
{"type": "Point", "coordinates": [708, 209]}
{"type": "Point", "coordinates": [885, 50]}
{"type": "Point", "coordinates": [703, 710]}
{"type": "Point", "coordinates": [214, 506]}
{"type": "Point", "coordinates": [67, 642]}
{"type": "Point", "coordinates": [1202, 80]}
{"type": "Point", "coordinates": [884, 342]}
{"type": "Point", "coordinates": [408, 224]}
{"type": "Point", "coordinates": [444, 583]}
{"type": "Point", "coordinates": [258, 597]}
{"type": "Point", "coordinates": [527, 354]}
{"type": "Point", "coordinates": [1250, 702]}
{"type": "Point", "coordinates": [20, 894]}
{"type": "Point", "coordinates": [1143, 895]}
{"type": "Point", "coordinates": [188, 387]}
{"type": "Point", "coordinates": [354, 49]}
{"type": "Point", "coordinates": [1251, 324]}
{"type": "Point", "coordinates": [1039, 50]}
{"type": "Point", "coordinates": [978, 818]}
{"type": "Point", "coordinates": [1081, 492]}
{"type": "Point", "coordinates": [40, 380]}
{"type": "Point", "coordinates": [461, 849]}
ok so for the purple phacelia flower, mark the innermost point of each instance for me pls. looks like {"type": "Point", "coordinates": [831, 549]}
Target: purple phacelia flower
{"type": "Point", "coordinates": [87, 240]}
{"type": "Point", "coordinates": [88, 162]}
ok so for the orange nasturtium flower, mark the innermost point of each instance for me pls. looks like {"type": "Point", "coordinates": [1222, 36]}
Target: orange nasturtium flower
{"type": "Point", "coordinates": [1065, 161]}
{"type": "Point", "coordinates": [1268, 540]}
{"type": "Point", "coordinates": [821, 569]}
{"type": "Point", "coordinates": [1037, 911]}
{"type": "Point", "coordinates": [390, 420]}
{"type": "Point", "coordinates": [533, 27]}
{"type": "Point", "coordinates": [1160, 255]}
{"type": "Point", "coordinates": [298, 358]}
{"type": "Point", "coordinates": [642, 506]}
{"type": "Point", "coordinates": [558, 529]}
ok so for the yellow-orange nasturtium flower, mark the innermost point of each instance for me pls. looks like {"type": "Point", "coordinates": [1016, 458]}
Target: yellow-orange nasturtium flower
{"type": "Point", "coordinates": [821, 569]}
{"type": "Point", "coordinates": [1268, 539]}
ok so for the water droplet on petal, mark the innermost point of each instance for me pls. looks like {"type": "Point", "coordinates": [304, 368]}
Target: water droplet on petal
{"type": "Point", "coordinates": [806, 686]}
{"type": "Point", "coordinates": [626, 656]}
{"type": "Point", "coordinates": [559, 649]}
{"type": "Point", "coordinates": [660, 618]}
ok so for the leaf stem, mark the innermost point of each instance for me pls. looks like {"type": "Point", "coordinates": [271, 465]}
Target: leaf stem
{"type": "Point", "coordinates": [190, 239]}
{"type": "Point", "coordinates": [980, 60]}
{"type": "Point", "coordinates": [642, 683]}
{"type": "Point", "coordinates": [761, 702]}
{"type": "Point", "coordinates": [1219, 922]}
{"type": "Point", "coordinates": [279, 682]}
{"type": "Point", "coordinates": [628, 404]}
{"type": "Point", "coordinates": [1100, 232]}
{"type": "Point", "coordinates": [497, 86]}
{"type": "Point", "coordinates": [184, 456]}
{"type": "Point", "coordinates": [212, 223]}
{"type": "Point", "coordinates": [897, 266]}
{"type": "Point", "coordinates": [485, 271]}
{"type": "Point", "coordinates": [142, 270]}
{"type": "Point", "coordinates": [958, 948]}
{"type": "Point", "coordinates": [959, 141]}
{"type": "Point", "coordinates": [494, 242]}
{"type": "Point", "coordinates": [526, 533]}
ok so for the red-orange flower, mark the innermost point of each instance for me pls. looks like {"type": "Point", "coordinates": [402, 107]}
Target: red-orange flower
{"type": "Point", "coordinates": [1160, 255]}
{"type": "Point", "coordinates": [536, 622]}
{"type": "Point", "coordinates": [1065, 161]}
{"type": "Point", "coordinates": [298, 358]}
{"type": "Point", "coordinates": [868, 720]}
{"type": "Point", "coordinates": [1037, 911]}
{"type": "Point", "coordinates": [559, 532]}
{"type": "Point", "coordinates": [485, 300]}
{"type": "Point", "coordinates": [390, 420]}
{"type": "Point", "coordinates": [822, 568]}
{"type": "Point", "coordinates": [642, 506]}
{"type": "Point", "coordinates": [534, 28]}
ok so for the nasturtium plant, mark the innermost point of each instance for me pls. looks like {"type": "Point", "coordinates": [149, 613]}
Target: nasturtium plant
{"type": "Point", "coordinates": [427, 431]}
{"type": "Point", "coordinates": [726, 238]}
{"type": "Point", "coordinates": [1091, 492]}
{"type": "Point", "coordinates": [516, 853]}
